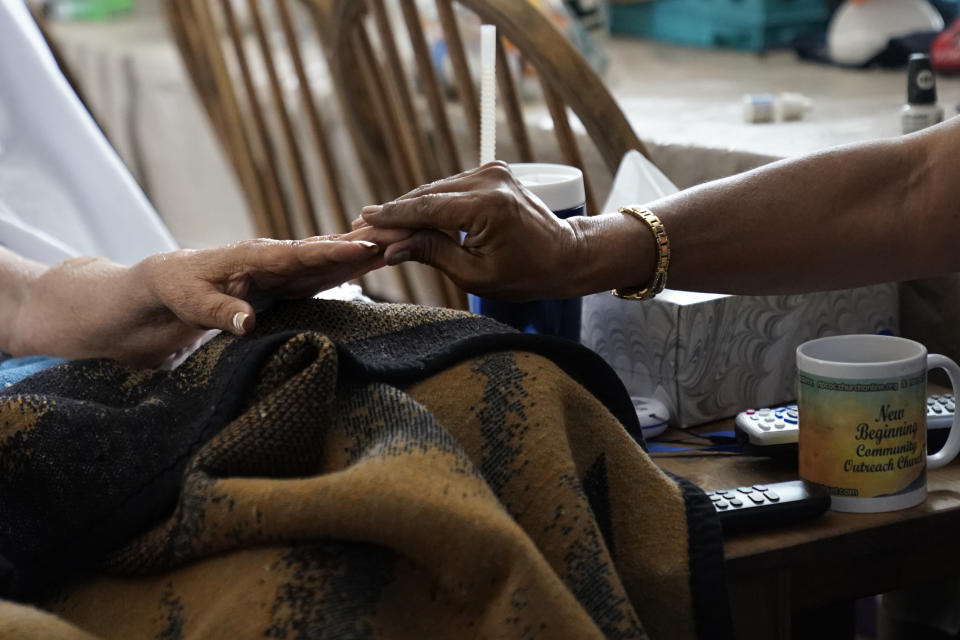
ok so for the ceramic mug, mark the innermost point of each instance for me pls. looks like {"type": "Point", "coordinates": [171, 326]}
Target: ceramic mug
{"type": "Point", "coordinates": [863, 420]}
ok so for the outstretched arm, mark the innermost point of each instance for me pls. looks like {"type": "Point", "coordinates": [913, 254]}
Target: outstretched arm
{"type": "Point", "coordinates": [92, 307]}
{"type": "Point", "coordinates": [865, 213]}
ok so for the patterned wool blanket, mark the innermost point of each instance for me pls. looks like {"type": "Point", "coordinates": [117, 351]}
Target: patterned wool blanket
{"type": "Point", "coordinates": [349, 471]}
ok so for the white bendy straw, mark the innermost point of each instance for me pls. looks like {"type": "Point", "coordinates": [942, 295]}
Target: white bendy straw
{"type": "Point", "coordinates": [488, 93]}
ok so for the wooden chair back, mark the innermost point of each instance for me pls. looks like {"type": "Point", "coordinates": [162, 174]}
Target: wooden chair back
{"type": "Point", "coordinates": [260, 71]}
{"type": "Point", "coordinates": [407, 124]}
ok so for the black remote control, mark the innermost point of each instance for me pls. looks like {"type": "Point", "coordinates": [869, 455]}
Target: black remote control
{"type": "Point", "coordinates": [761, 505]}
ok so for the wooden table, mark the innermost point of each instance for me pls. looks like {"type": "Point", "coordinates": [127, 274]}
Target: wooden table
{"type": "Point", "coordinates": [801, 580]}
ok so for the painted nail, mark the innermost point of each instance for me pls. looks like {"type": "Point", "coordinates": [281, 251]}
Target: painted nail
{"type": "Point", "coordinates": [239, 320]}
{"type": "Point", "coordinates": [367, 244]}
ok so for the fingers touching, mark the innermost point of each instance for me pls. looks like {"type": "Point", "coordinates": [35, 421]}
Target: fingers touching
{"type": "Point", "coordinates": [215, 288]}
{"type": "Point", "coordinates": [451, 203]}
{"type": "Point", "coordinates": [512, 240]}
{"type": "Point", "coordinates": [429, 247]}
{"type": "Point", "coordinates": [431, 210]}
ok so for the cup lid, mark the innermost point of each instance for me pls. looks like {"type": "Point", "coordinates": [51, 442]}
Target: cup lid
{"type": "Point", "coordinates": [560, 186]}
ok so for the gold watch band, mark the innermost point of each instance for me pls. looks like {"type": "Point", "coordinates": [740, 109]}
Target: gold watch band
{"type": "Point", "coordinates": [658, 281]}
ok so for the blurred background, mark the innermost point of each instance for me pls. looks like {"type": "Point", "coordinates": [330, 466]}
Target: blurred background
{"type": "Point", "coordinates": [709, 88]}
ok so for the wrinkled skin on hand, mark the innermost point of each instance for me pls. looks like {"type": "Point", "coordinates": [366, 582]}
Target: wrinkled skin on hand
{"type": "Point", "coordinates": [91, 307]}
{"type": "Point", "coordinates": [514, 247]}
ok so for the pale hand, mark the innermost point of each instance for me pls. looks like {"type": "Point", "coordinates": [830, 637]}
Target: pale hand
{"type": "Point", "coordinates": [91, 307]}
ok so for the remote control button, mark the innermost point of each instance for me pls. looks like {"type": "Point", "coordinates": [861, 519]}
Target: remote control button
{"type": "Point", "coordinates": [792, 421]}
{"type": "Point", "coordinates": [951, 407]}
{"type": "Point", "coordinates": [736, 502]}
{"type": "Point", "coordinates": [760, 487]}
{"type": "Point", "coordinates": [764, 412]}
{"type": "Point", "coordinates": [756, 498]}
{"type": "Point", "coordinates": [716, 498]}
{"type": "Point", "coordinates": [779, 424]}
{"type": "Point", "coordinates": [771, 496]}
{"type": "Point", "coordinates": [764, 426]}
{"type": "Point", "coordinates": [949, 396]}
{"type": "Point", "coordinates": [937, 409]}
{"type": "Point", "coordinates": [793, 413]}
{"type": "Point", "coordinates": [725, 492]}
{"type": "Point", "coordinates": [721, 505]}
{"type": "Point", "coordinates": [931, 401]}
{"type": "Point", "coordinates": [792, 407]}
{"type": "Point", "coordinates": [744, 489]}
{"type": "Point", "coordinates": [749, 412]}
{"type": "Point", "coordinates": [754, 418]}
{"type": "Point", "coordinates": [769, 420]}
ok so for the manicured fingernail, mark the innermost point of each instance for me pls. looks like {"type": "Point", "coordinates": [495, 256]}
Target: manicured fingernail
{"type": "Point", "coordinates": [398, 257]}
{"type": "Point", "coordinates": [366, 243]}
{"type": "Point", "coordinates": [239, 322]}
{"type": "Point", "coordinates": [375, 208]}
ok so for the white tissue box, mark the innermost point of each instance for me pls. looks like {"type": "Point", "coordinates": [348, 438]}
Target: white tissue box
{"type": "Point", "coordinates": [710, 356]}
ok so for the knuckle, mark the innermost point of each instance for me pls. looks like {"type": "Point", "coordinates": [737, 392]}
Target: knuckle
{"type": "Point", "coordinates": [425, 249]}
{"type": "Point", "coordinates": [261, 244]}
{"type": "Point", "coordinates": [388, 209]}
{"type": "Point", "coordinates": [423, 205]}
{"type": "Point", "coordinates": [424, 188]}
{"type": "Point", "coordinates": [248, 244]}
{"type": "Point", "coordinates": [498, 170]}
{"type": "Point", "coordinates": [430, 245]}
{"type": "Point", "coordinates": [502, 199]}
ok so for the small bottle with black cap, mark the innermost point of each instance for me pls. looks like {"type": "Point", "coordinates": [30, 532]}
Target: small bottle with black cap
{"type": "Point", "coordinates": [921, 110]}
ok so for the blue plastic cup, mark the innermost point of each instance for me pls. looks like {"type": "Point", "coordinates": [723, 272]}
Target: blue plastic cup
{"type": "Point", "coordinates": [561, 188]}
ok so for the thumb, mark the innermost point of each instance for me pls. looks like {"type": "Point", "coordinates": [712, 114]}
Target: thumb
{"type": "Point", "coordinates": [212, 309]}
{"type": "Point", "coordinates": [433, 248]}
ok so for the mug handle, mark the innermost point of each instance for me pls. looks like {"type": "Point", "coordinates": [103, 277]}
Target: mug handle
{"type": "Point", "coordinates": [952, 446]}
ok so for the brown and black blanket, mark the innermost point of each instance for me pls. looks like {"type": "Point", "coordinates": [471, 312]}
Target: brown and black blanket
{"type": "Point", "coordinates": [349, 471]}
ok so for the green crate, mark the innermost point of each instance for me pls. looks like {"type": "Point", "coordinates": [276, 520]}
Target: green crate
{"type": "Point", "coordinates": [753, 25]}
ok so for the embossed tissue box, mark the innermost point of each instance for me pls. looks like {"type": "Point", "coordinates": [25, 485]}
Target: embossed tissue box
{"type": "Point", "coordinates": [710, 356]}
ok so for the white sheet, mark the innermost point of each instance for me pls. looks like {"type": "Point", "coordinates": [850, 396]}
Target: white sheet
{"type": "Point", "coordinates": [59, 177]}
